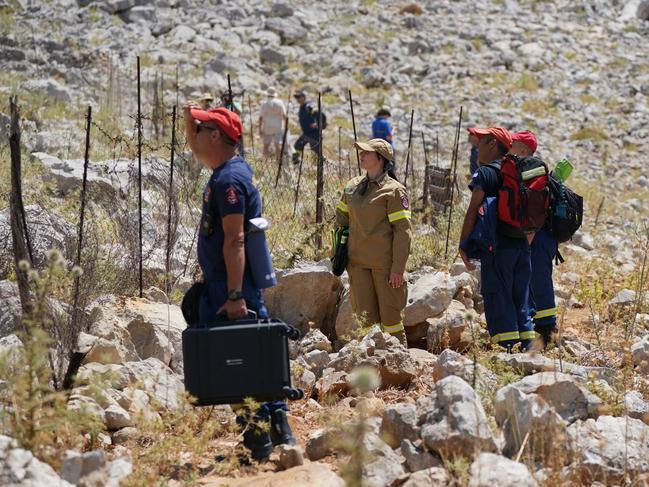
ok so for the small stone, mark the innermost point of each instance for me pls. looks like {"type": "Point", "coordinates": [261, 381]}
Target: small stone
{"type": "Point", "coordinates": [490, 469]}
{"type": "Point", "coordinates": [434, 476]}
{"type": "Point", "coordinates": [399, 423]}
{"type": "Point", "coordinates": [117, 418]}
{"type": "Point", "coordinates": [319, 444]}
{"type": "Point", "coordinates": [125, 435]}
{"type": "Point", "coordinates": [92, 461]}
{"type": "Point", "coordinates": [290, 456]}
{"type": "Point", "coordinates": [417, 458]}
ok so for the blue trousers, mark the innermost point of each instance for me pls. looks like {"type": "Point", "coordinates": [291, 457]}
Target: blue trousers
{"type": "Point", "coordinates": [505, 277]}
{"type": "Point", "coordinates": [215, 295]}
{"type": "Point", "coordinates": [542, 304]}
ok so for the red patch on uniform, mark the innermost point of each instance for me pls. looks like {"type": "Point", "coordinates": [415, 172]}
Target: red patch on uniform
{"type": "Point", "coordinates": [231, 196]}
{"type": "Point", "coordinates": [405, 202]}
{"type": "Point", "coordinates": [208, 192]}
{"type": "Point", "coordinates": [481, 210]}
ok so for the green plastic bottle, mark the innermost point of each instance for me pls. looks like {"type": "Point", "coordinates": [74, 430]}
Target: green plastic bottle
{"type": "Point", "coordinates": [563, 170]}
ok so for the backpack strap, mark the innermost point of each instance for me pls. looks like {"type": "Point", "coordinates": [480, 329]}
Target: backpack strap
{"type": "Point", "coordinates": [558, 258]}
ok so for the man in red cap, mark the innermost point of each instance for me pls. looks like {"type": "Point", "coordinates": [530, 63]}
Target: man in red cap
{"type": "Point", "coordinates": [544, 248]}
{"type": "Point", "coordinates": [505, 271]}
{"type": "Point", "coordinates": [523, 143]}
{"type": "Point", "coordinates": [230, 200]}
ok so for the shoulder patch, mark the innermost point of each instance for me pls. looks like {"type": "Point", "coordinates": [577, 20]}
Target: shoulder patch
{"type": "Point", "coordinates": [405, 202]}
{"type": "Point", "coordinates": [231, 197]}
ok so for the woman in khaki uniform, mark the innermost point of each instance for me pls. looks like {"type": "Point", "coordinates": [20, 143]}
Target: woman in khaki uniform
{"type": "Point", "coordinates": [376, 209]}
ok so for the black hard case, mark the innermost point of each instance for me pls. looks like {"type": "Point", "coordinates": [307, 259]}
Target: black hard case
{"type": "Point", "coordinates": [233, 360]}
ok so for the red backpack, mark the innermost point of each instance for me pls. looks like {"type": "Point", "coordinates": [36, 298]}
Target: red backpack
{"type": "Point", "coordinates": [524, 196]}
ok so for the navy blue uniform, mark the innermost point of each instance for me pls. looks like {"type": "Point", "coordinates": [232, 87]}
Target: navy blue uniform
{"type": "Point", "coordinates": [308, 116]}
{"type": "Point", "coordinates": [542, 303]}
{"type": "Point", "coordinates": [382, 129]}
{"type": "Point", "coordinates": [229, 191]}
{"type": "Point", "coordinates": [505, 276]}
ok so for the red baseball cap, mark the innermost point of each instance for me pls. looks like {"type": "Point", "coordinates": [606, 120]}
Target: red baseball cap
{"type": "Point", "coordinates": [527, 138]}
{"type": "Point", "coordinates": [501, 135]}
{"type": "Point", "coordinates": [229, 122]}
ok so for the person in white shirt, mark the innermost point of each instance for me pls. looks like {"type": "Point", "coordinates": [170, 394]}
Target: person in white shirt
{"type": "Point", "coordinates": [271, 123]}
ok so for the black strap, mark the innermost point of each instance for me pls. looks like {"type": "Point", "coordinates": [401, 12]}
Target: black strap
{"type": "Point", "coordinates": [558, 258]}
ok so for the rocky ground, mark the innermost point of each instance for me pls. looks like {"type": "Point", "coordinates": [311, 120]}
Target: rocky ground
{"type": "Point", "coordinates": [449, 410]}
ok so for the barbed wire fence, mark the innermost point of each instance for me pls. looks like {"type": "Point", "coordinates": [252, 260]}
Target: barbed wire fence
{"type": "Point", "coordinates": [171, 213]}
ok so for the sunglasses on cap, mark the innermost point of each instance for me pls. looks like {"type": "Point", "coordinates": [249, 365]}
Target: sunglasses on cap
{"type": "Point", "coordinates": [200, 126]}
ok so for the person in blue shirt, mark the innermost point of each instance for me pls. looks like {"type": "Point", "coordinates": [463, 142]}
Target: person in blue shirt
{"type": "Point", "coordinates": [506, 272]}
{"type": "Point", "coordinates": [230, 199]}
{"type": "Point", "coordinates": [543, 308]}
{"type": "Point", "coordinates": [382, 127]}
{"type": "Point", "coordinates": [308, 116]}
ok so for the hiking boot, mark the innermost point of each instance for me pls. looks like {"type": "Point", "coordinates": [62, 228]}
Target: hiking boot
{"type": "Point", "coordinates": [401, 336]}
{"type": "Point", "coordinates": [280, 430]}
{"type": "Point", "coordinates": [257, 440]}
{"type": "Point", "coordinates": [296, 158]}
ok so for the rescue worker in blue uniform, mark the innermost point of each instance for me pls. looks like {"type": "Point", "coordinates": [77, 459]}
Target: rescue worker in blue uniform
{"type": "Point", "coordinates": [542, 304]}
{"type": "Point", "coordinates": [308, 116]}
{"type": "Point", "coordinates": [505, 273]}
{"type": "Point", "coordinates": [382, 127]}
{"type": "Point", "coordinates": [230, 200]}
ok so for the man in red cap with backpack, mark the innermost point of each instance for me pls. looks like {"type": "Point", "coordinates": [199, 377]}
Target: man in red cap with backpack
{"type": "Point", "coordinates": [505, 269]}
{"type": "Point", "coordinates": [544, 248]}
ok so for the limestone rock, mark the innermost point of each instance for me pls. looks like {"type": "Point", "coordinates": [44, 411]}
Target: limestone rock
{"type": "Point", "coordinates": [607, 449]}
{"type": "Point", "coordinates": [317, 360]}
{"type": "Point", "coordinates": [10, 311]}
{"type": "Point", "coordinates": [524, 416]}
{"type": "Point", "coordinates": [346, 322]}
{"type": "Point", "coordinates": [150, 341]}
{"type": "Point", "coordinates": [450, 363]}
{"type": "Point", "coordinates": [319, 444]}
{"type": "Point", "coordinates": [125, 435]}
{"type": "Point", "coordinates": [489, 470]}
{"type": "Point", "coordinates": [50, 88]}
{"type": "Point", "coordinates": [436, 476]}
{"type": "Point", "coordinates": [455, 423]}
{"type": "Point", "coordinates": [47, 230]}
{"type": "Point", "coordinates": [417, 458]}
{"type": "Point", "coordinates": [640, 351]}
{"type": "Point", "coordinates": [290, 456]}
{"type": "Point", "coordinates": [399, 423]}
{"type": "Point", "coordinates": [429, 296]}
{"type": "Point", "coordinates": [570, 399]}
{"type": "Point", "coordinates": [290, 32]}
{"type": "Point", "coordinates": [384, 467]}
{"type": "Point", "coordinates": [636, 406]}
{"type": "Point", "coordinates": [452, 329]}
{"type": "Point", "coordinates": [303, 295]}
{"type": "Point", "coordinates": [19, 467]}
{"type": "Point", "coordinates": [117, 418]}
{"type": "Point", "coordinates": [315, 340]}
{"type": "Point", "coordinates": [528, 364]}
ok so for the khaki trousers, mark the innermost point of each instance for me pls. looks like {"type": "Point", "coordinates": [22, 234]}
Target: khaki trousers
{"type": "Point", "coordinates": [374, 301]}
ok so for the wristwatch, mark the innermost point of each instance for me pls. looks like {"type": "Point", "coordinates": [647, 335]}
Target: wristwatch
{"type": "Point", "coordinates": [235, 295]}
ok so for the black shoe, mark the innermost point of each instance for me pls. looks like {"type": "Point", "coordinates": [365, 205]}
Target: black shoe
{"type": "Point", "coordinates": [257, 440]}
{"type": "Point", "coordinates": [280, 430]}
{"type": "Point", "coordinates": [296, 158]}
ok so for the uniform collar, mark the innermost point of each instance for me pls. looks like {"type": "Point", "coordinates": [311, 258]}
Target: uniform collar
{"type": "Point", "coordinates": [380, 180]}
